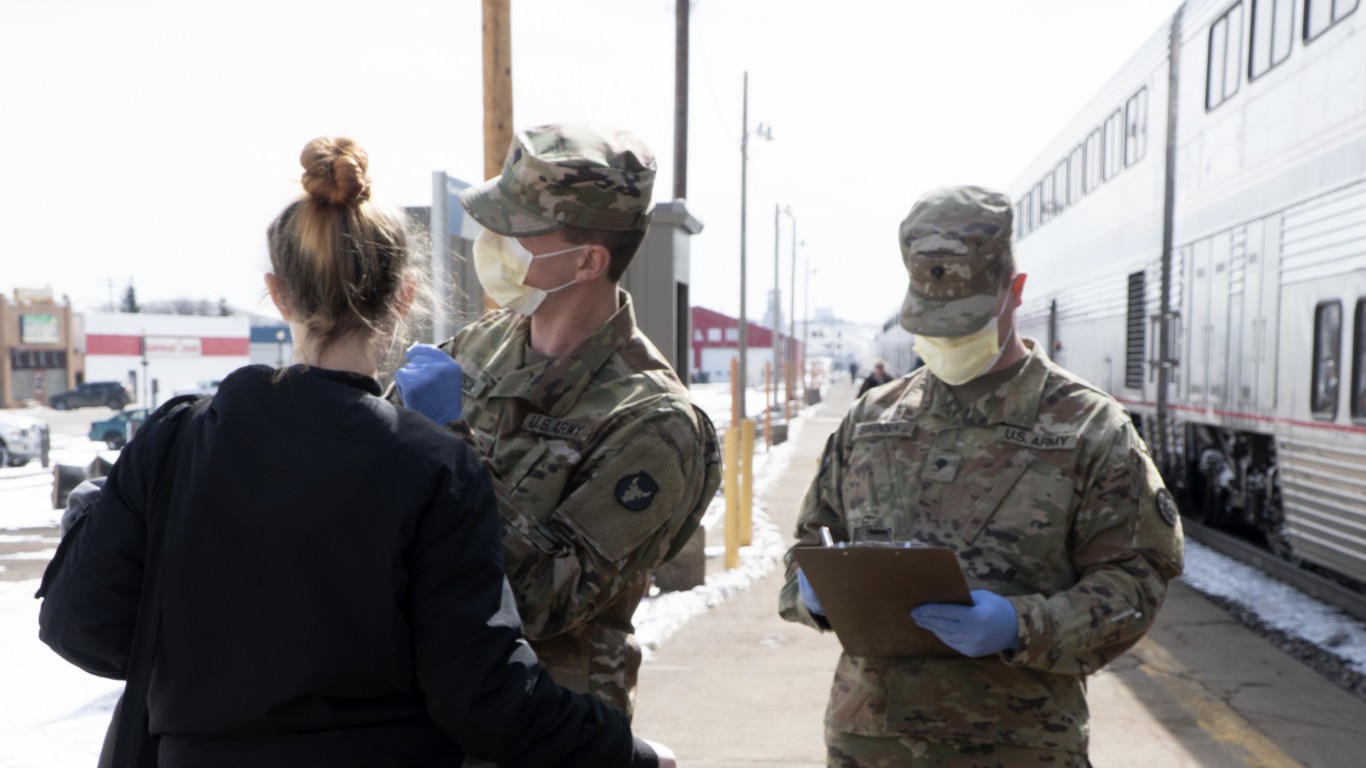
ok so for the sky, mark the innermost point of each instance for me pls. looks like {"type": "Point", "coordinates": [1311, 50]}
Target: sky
{"type": "Point", "coordinates": [152, 141]}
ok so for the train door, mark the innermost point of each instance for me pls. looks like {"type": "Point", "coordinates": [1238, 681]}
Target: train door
{"type": "Point", "coordinates": [1219, 320]}
{"type": "Point", "coordinates": [1197, 256]}
{"type": "Point", "coordinates": [1256, 369]}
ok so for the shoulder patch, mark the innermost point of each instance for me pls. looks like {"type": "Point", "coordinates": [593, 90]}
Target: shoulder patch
{"type": "Point", "coordinates": [1166, 506]}
{"type": "Point", "coordinates": [541, 424]}
{"type": "Point", "coordinates": [883, 428]}
{"type": "Point", "coordinates": [636, 492]}
{"type": "Point", "coordinates": [1037, 440]}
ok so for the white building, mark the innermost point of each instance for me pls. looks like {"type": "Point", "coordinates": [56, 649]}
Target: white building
{"type": "Point", "coordinates": [156, 355]}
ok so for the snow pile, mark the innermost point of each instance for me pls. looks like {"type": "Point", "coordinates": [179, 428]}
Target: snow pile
{"type": "Point", "coordinates": [1275, 603]}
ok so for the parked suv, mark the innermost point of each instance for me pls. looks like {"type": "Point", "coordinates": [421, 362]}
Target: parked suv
{"type": "Point", "coordinates": [21, 439]}
{"type": "Point", "coordinates": [111, 393]}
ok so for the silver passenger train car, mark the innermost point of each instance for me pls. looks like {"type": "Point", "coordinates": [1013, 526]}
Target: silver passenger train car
{"type": "Point", "coordinates": [1196, 245]}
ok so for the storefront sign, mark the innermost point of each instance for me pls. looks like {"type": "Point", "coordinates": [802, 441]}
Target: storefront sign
{"type": "Point", "coordinates": [174, 346]}
{"type": "Point", "coordinates": [39, 329]}
{"type": "Point", "coordinates": [32, 295]}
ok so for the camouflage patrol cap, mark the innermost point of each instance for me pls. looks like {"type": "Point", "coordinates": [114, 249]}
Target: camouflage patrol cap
{"type": "Point", "coordinates": [956, 245]}
{"type": "Point", "coordinates": [575, 174]}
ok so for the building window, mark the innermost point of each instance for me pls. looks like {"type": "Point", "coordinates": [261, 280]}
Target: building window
{"type": "Point", "coordinates": [713, 334]}
{"type": "Point", "coordinates": [1136, 127]}
{"type": "Point", "coordinates": [733, 334]}
{"type": "Point", "coordinates": [1020, 206]}
{"type": "Point", "coordinates": [1319, 15]}
{"type": "Point", "coordinates": [1114, 145]}
{"type": "Point", "coordinates": [1323, 386]}
{"type": "Point", "coordinates": [1093, 161]}
{"type": "Point", "coordinates": [1076, 174]}
{"type": "Point", "coordinates": [1273, 22]}
{"type": "Point", "coordinates": [1225, 51]}
{"type": "Point", "coordinates": [1035, 204]}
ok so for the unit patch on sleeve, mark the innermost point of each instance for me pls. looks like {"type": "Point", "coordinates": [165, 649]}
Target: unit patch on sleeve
{"type": "Point", "coordinates": [636, 492]}
{"type": "Point", "coordinates": [1166, 506]}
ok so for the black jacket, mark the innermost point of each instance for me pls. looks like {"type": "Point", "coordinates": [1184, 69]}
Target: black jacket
{"type": "Point", "coordinates": [334, 591]}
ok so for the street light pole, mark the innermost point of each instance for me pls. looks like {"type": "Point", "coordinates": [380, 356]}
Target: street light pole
{"type": "Point", "coordinates": [777, 308]}
{"type": "Point", "coordinates": [806, 322]}
{"type": "Point", "coordinates": [744, 202]}
{"type": "Point", "coordinates": [791, 360]}
{"type": "Point", "coordinates": [280, 348]}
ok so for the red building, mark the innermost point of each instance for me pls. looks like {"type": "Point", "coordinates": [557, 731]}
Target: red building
{"type": "Point", "coordinates": [716, 341]}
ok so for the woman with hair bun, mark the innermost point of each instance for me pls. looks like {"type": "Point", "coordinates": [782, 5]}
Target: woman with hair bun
{"type": "Point", "coordinates": [331, 586]}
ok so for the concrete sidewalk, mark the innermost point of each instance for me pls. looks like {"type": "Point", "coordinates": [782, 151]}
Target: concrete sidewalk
{"type": "Point", "coordinates": [739, 686]}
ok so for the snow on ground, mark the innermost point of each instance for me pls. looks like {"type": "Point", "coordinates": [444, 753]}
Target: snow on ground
{"type": "Point", "coordinates": [1276, 603]}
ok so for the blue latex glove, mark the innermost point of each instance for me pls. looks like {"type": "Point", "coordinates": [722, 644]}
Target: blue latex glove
{"type": "Point", "coordinates": [430, 383]}
{"type": "Point", "coordinates": [813, 603]}
{"type": "Point", "coordinates": [986, 627]}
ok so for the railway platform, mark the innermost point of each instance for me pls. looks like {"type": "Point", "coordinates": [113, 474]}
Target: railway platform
{"type": "Point", "coordinates": [739, 687]}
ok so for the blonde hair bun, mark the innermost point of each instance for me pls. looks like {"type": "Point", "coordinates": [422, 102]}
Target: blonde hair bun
{"type": "Point", "coordinates": [335, 171]}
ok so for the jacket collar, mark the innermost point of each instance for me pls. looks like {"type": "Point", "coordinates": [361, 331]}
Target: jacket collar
{"type": "Point", "coordinates": [1016, 403]}
{"type": "Point", "coordinates": [554, 386]}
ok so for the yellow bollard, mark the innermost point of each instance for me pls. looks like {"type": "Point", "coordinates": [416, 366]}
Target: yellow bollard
{"type": "Point", "coordinates": [731, 469]}
{"type": "Point", "coordinates": [746, 482]}
{"type": "Point", "coordinates": [735, 394]}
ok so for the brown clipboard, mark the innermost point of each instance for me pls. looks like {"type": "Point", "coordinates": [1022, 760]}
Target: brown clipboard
{"type": "Point", "coordinates": [868, 593]}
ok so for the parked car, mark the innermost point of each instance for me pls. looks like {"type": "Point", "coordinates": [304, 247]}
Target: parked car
{"type": "Point", "coordinates": [118, 429]}
{"type": "Point", "coordinates": [200, 389]}
{"type": "Point", "coordinates": [21, 439]}
{"type": "Point", "coordinates": [114, 394]}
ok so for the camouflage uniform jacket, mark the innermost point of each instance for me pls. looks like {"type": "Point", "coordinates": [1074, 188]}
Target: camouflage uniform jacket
{"type": "Point", "coordinates": [602, 467]}
{"type": "Point", "coordinates": [1047, 493]}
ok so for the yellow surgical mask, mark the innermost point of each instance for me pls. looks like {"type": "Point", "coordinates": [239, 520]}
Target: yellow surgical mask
{"type": "Point", "coordinates": [501, 264]}
{"type": "Point", "coordinates": [957, 360]}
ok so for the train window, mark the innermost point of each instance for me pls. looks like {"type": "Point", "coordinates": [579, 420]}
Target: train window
{"type": "Point", "coordinates": [1046, 209]}
{"type": "Point", "coordinates": [1093, 161]}
{"type": "Point", "coordinates": [1076, 174]}
{"type": "Point", "coordinates": [1319, 15]}
{"type": "Point", "coordinates": [1036, 207]}
{"type": "Point", "coordinates": [1323, 387]}
{"type": "Point", "coordinates": [1225, 51]}
{"type": "Point", "coordinates": [1060, 177]}
{"type": "Point", "coordinates": [1359, 362]}
{"type": "Point", "coordinates": [1272, 25]}
{"type": "Point", "coordinates": [1136, 126]}
{"type": "Point", "coordinates": [1114, 145]}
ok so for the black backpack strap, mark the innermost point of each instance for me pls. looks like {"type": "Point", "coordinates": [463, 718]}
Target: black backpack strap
{"type": "Point", "coordinates": [133, 745]}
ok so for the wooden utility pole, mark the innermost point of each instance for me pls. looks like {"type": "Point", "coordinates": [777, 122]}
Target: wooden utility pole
{"type": "Point", "coordinates": [497, 84]}
{"type": "Point", "coordinates": [681, 99]}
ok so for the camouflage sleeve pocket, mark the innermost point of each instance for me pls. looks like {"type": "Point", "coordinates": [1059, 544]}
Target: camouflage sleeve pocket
{"type": "Point", "coordinates": [630, 498]}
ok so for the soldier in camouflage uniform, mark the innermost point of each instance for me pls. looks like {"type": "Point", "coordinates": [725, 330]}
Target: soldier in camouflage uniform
{"type": "Point", "coordinates": [601, 464]}
{"type": "Point", "coordinates": [1035, 478]}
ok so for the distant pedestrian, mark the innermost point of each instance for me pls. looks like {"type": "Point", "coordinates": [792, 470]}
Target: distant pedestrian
{"type": "Point", "coordinates": [332, 586]}
{"type": "Point", "coordinates": [853, 372]}
{"type": "Point", "coordinates": [601, 463]}
{"type": "Point", "coordinates": [877, 378]}
{"type": "Point", "coordinates": [1037, 480]}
